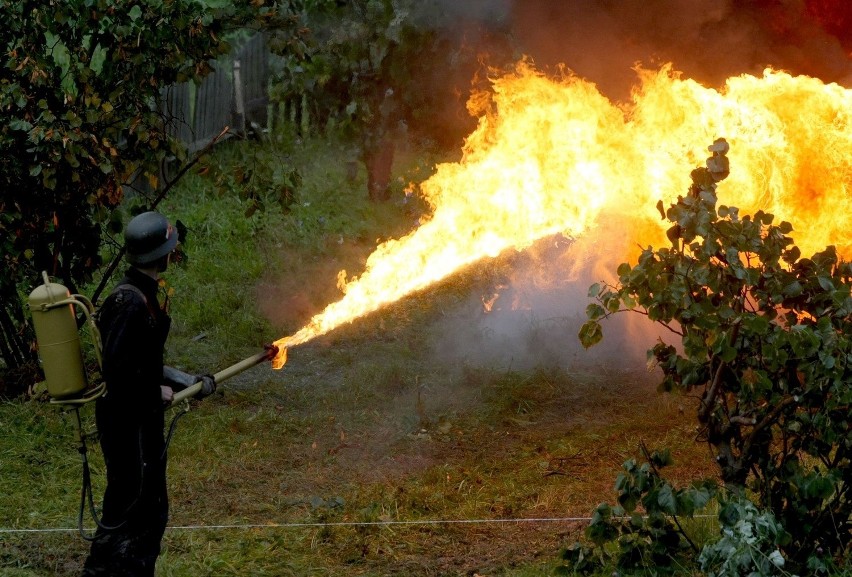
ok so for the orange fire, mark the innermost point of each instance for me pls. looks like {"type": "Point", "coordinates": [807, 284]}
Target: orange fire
{"type": "Point", "coordinates": [556, 156]}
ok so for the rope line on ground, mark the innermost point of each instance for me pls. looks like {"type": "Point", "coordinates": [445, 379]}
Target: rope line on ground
{"type": "Point", "coordinates": [341, 524]}
{"type": "Point", "coordinates": [331, 524]}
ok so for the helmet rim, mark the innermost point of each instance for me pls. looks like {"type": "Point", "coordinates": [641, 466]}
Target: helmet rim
{"type": "Point", "coordinates": [142, 232]}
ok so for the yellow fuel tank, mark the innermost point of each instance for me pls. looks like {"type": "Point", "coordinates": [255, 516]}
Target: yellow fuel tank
{"type": "Point", "coordinates": [58, 340]}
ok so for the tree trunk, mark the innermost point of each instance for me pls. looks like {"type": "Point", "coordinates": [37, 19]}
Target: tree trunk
{"type": "Point", "coordinates": [12, 345]}
{"type": "Point", "coordinates": [379, 162]}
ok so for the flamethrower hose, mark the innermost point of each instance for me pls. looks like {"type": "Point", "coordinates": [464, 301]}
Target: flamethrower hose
{"type": "Point", "coordinates": [269, 352]}
{"type": "Point", "coordinates": [86, 496]}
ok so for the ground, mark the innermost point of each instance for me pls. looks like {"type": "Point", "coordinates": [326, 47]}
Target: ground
{"type": "Point", "coordinates": [381, 449]}
{"type": "Point", "coordinates": [474, 460]}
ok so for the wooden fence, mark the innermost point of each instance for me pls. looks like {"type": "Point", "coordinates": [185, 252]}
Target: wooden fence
{"type": "Point", "coordinates": [234, 95]}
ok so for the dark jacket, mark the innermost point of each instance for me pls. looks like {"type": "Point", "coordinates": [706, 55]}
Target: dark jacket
{"type": "Point", "coordinates": [130, 418]}
{"type": "Point", "coordinates": [133, 331]}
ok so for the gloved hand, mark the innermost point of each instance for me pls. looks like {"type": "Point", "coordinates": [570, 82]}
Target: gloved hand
{"type": "Point", "coordinates": [208, 386]}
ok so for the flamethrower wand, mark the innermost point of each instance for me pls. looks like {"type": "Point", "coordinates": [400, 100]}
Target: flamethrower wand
{"type": "Point", "coordinates": [269, 352]}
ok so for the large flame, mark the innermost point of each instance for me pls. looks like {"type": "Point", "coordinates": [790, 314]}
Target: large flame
{"type": "Point", "coordinates": [555, 156]}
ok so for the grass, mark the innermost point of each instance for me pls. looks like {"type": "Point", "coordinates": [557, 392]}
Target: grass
{"type": "Point", "coordinates": [292, 472]}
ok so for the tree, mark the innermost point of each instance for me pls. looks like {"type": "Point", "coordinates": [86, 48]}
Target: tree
{"type": "Point", "coordinates": [766, 343]}
{"type": "Point", "coordinates": [80, 118]}
{"type": "Point", "coordinates": [381, 67]}
{"type": "Point", "coordinates": [354, 71]}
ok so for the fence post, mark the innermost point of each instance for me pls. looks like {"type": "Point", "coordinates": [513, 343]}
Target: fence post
{"type": "Point", "coordinates": [239, 102]}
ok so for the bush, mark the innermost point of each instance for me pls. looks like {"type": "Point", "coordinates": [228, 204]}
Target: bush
{"type": "Point", "coordinates": [765, 343]}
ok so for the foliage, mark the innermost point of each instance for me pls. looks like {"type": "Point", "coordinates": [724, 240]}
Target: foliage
{"type": "Point", "coordinates": [765, 340]}
{"type": "Point", "coordinates": [259, 176]}
{"type": "Point", "coordinates": [78, 97]}
{"type": "Point", "coordinates": [346, 65]}
{"type": "Point", "coordinates": [359, 58]}
{"type": "Point", "coordinates": [374, 68]}
{"type": "Point", "coordinates": [749, 543]}
{"type": "Point", "coordinates": [644, 525]}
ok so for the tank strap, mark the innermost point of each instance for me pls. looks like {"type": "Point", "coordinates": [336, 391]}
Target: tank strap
{"type": "Point", "coordinates": [139, 292]}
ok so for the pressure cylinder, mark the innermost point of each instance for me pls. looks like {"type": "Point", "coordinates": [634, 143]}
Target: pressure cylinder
{"type": "Point", "coordinates": [58, 340]}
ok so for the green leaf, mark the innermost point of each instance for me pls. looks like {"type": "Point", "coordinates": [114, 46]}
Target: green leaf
{"type": "Point", "coordinates": [666, 500]}
{"type": "Point", "coordinates": [595, 311]}
{"type": "Point", "coordinates": [756, 323]}
{"type": "Point", "coordinates": [661, 209]}
{"type": "Point", "coordinates": [729, 353]}
{"type": "Point", "coordinates": [62, 58]}
{"type": "Point", "coordinates": [791, 255]}
{"type": "Point", "coordinates": [98, 58]}
{"type": "Point", "coordinates": [827, 359]}
{"type": "Point", "coordinates": [590, 334]}
{"type": "Point", "coordinates": [825, 283]}
{"type": "Point", "coordinates": [612, 302]}
{"type": "Point", "coordinates": [719, 146]}
{"type": "Point", "coordinates": [793, 289]}
{"type": "Point", "coordinates": [673, 234]}
{"type": "Point", "coordinates": [20, 124]}
{"type": "Point", "coordinates": [662, 458]}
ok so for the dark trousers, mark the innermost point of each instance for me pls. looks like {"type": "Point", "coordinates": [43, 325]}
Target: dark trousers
{"type": "Point", "coordinates": [135, 507]}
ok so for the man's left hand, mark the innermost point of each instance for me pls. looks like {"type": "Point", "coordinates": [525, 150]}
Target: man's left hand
{"type": "Point", "coordinates": [208, 386]}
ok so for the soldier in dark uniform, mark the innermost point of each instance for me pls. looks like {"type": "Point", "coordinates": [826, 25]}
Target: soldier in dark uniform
{"type": "Point", "coordinates": [130, 416]}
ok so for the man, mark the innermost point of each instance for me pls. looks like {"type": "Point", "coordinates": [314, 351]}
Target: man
{"type": "Point", "coordinates": [130, 416]}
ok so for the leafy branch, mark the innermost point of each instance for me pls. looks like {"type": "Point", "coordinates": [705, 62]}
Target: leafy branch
{"type": "Point", "coordinates": [764, 339]}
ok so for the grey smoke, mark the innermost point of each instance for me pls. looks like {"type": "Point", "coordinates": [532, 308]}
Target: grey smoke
{"type": "Point", "coordinates": [537, 309]}
{"type": "Point", "coordinates": [707, 40]}
{"type": "Point", "coordinates": [602, 40]}
{"type": "Point", "coordinates": [452, 14]}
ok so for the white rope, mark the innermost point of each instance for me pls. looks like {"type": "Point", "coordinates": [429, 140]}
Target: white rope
{"type": "Point", "coordinates": [345, 524]}
{"type": "Point", "coordinates": [381, 523]}
{"type": "Point", "coordinates": [334, 524]}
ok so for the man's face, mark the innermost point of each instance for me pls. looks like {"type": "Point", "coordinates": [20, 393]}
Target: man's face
{"type": "Point", "coordinates": [164, 263]}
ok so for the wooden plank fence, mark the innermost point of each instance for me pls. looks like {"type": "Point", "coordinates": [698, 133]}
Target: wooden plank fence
{"type": "Point", "coordinates": [235, 94]}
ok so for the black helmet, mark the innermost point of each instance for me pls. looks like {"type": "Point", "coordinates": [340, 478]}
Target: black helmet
{"type": "Point", "coordinates": [149, 237]}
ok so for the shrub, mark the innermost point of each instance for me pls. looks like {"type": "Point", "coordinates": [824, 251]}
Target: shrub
{"type": "Point", "coordinates": [765, 343]}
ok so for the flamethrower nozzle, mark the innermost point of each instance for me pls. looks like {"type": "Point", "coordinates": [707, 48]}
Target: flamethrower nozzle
{"type": "Point", "coordinates": [269, 352]}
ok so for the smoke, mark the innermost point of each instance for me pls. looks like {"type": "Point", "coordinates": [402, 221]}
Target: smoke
{"type": "Point", "coordinates": [707, 40]}
{"type": "Point", "coordinates": [537, 309]}
{"type": "Point", "coordinates": [531, 315]}
{"type": "Point", "coordinates": [453, 15]}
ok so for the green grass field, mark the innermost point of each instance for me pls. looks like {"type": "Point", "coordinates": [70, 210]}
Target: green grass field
{"type": "Point", "coordinates": [375, 450]}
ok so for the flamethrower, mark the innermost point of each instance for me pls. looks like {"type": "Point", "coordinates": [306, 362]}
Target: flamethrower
{"type": "Point", "coordinates": [269, 352]}
{"type": "Point", "coordinates": [60, 352]}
